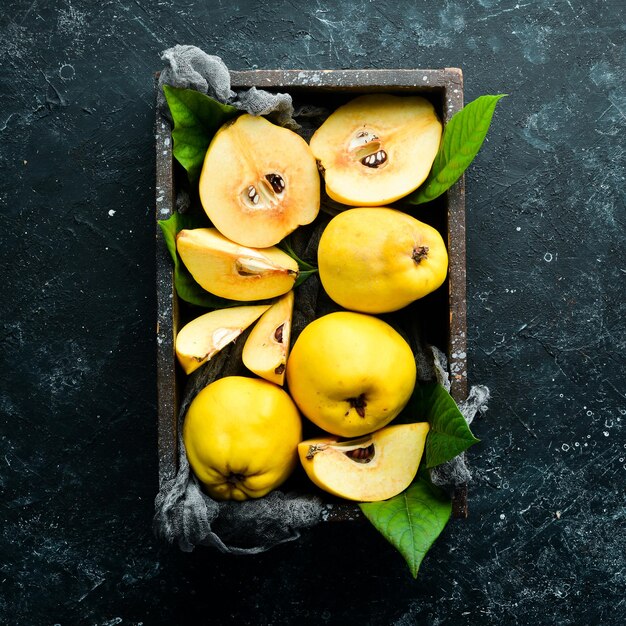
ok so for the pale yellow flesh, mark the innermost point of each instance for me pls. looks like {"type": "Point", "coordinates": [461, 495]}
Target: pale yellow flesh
{"type": "Point", "coordinates": [408, 130]}
{"type": "Point", "coordinates": [263, 354]}
{"type": "Point", "coordinates": [398, 451]}
{"type": "Point", "coordinates": [366, 263]}
{"type": "Point", "coordinates": [229, 270]}
{"type": "Point", "coordinates": [242, 154]}
{"type": "Point", "coordinates": [341, 356]}
{"type": "Point", "coordinates": [241, 436]}
{"type": "Point", "coordinates": [202, 338]}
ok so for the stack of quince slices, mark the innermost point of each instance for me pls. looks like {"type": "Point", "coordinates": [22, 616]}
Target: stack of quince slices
{"type": "Point", "coordinates": [349, 372]}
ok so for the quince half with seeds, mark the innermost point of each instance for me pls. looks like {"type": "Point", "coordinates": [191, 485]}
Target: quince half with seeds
{"type": "Point", "coordinates": [203, 337]}
{"type": "Point", "coordinates": [377, 148]}
{"type": "Point", "coordinates": [369, 469]}
{"type": "Point", "coordinates": [378, 260]}
{"type": "Point", "coordinates": [265, 351]}
{"type": "Point", "coordinates": [230, 270]}
{"type": "Point", "coordinates": [259, 182]}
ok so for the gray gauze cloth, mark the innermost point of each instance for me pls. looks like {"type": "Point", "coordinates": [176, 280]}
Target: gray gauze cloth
{"type": "Point", "coordinates": [189, 67]}
{"type": "Point", "coordinates": [184, 513]}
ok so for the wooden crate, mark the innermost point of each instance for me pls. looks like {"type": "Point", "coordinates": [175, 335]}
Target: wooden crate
{"type": "Point", "coordinates": [445, 88]}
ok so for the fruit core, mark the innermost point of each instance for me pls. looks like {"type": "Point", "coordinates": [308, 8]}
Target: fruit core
{"type": "Point", "coordinates": [278, 334]}
{"type": "Point", "coordinates": [250, 266]}
{"type": "Point", "coordinates": [219, 339]}
{"type": "Point", "coordinates": [360, 450]}
{"type": "Point", "coordinates": [266, 193]}
{"type": "Point", "coordinates": [366, 147]}
{"type": "Point", "coordinates": [362, 455]}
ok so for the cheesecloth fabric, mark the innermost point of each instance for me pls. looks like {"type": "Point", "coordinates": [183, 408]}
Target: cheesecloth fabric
{"type": "Point", "coordinates": [184, 513]}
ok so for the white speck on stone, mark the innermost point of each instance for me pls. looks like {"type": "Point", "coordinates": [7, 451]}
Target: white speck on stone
{"type": "Point", "coordinates": [605, 433]}
{"type": "Point", "coordinates": [164, 211]}
{"type": "Point", "coordinates": [518, 228]}
{"type": "Point", "coordinates": [547, 257]}
{"type": "Point", "coordinates": [111, 212]}
{"type": "Point", "coordinates": [502, 516]}
{"type": "Point", "coordinates": [565, 447]}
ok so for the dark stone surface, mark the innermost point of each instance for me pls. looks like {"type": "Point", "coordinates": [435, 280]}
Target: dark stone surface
{"type": "Point", "coordinates": [545, 542]}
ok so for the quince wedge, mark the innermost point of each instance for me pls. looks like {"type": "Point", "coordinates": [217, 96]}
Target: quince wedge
{"type": "Point", "coordinates": [350, 373]}
{"type": "Point", "coordinates": [265, 351]}
{"type": "Point", "coordinates": [379, 260]}
{"type": "Point", "coordinates": [377, 148]}
{"type": "Point", "coordinates": [259, 182]}
{"type": "Point", "coordinates": [241, 436]}
{"type": "Point", "coordinates": [202, 338]}
{"type": "Point", "coordinates": [369, 469]}
{"type": "Point", "coordinates": [229, 270]}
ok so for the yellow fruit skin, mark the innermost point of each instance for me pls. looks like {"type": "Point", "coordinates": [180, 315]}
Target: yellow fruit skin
{"type": "Point", "coordinates": [241, 436]}
{"type": "Point", "coordinates": [344, 358]}
{"type": "Point", "coordinates": [366, 259]}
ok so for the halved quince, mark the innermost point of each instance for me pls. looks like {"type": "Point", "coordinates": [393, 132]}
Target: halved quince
{"type": "Point", "coordinates": [368, 469]}
{"type": "Point", "coordinates": [259, 182]}
{"type": "Point", "coordinates": [230, 270]}
{"type": "Point", "coordinates": [377, 148]}
{"type": "Point", "coordinates": [202, 338]}
{"type": "Point", "coordinates": [265, 350]}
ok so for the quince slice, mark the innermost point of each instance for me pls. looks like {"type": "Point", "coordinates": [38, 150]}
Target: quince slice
{"type": "Point", "coordinates": [259, 182]}
{"type": "Point", "coordinates": [265, 351]}
{"type": "Point", "coordinates": [202, 338]}
{"type": "Point", "coordinates": [230, 270]}
{"type": "Point", "coordinates": [371, 468]}
{"type": "Point", "coordinates": [377, 148]}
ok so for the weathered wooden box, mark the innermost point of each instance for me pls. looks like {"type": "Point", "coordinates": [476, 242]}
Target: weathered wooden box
{"type": "Point", "coordinates": [331, 87]}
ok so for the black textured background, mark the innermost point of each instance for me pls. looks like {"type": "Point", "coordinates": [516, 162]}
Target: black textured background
{"type": "Point", "coordinates": [545, 542]}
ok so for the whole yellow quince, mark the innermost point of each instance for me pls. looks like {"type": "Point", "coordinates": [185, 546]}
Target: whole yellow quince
{"type": "Point", "coordinates": [241, 436]}
{"type": "Point", "coordinates": [350, 373]}
{"type": "Point", "coordinates": [378, 260]}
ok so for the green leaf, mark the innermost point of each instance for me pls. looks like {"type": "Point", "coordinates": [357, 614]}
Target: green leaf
{"type": "Point", "coordinates": [305, 269]}
{"type": "Point", "coordinates": [303, 275]}
{"type": "Point", "coordinates": [196, 119]}
{"type": "Point", "coordinates": [412, 520]}
{"type": "Point", "coordinates": [449, 433]}
{"type": "Point", "coordinates": [462, 138]}
{"type": "Point", "coordinates": [186, 287]}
